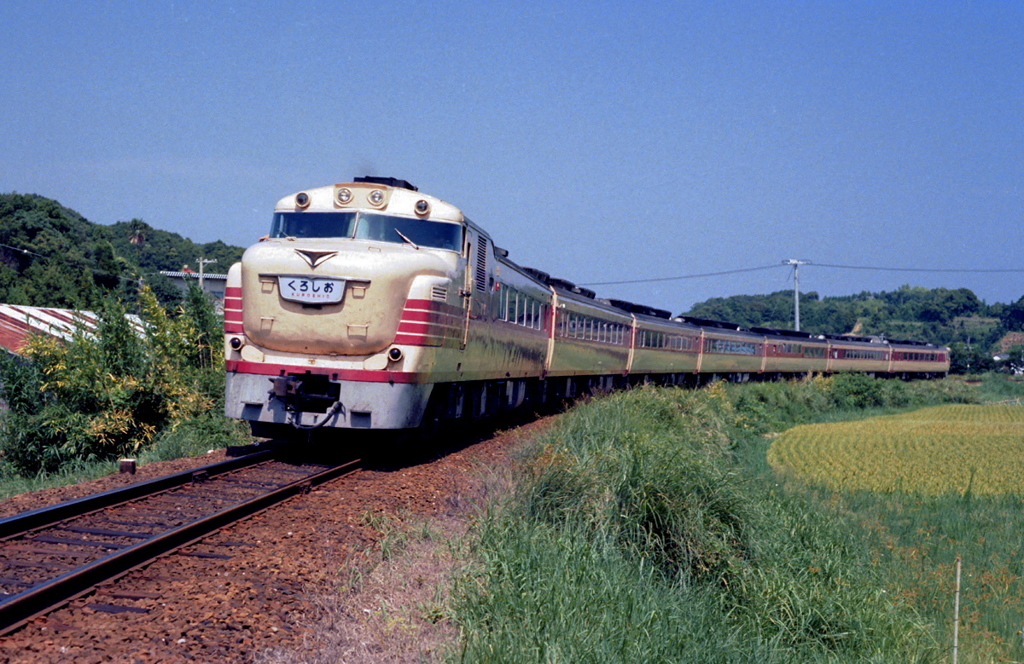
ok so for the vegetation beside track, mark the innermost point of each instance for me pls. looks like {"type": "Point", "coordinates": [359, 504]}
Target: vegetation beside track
{"type": "Point", "coordinates": [73, 407]}
{"type": "Point", "coordinates": [648, 526]}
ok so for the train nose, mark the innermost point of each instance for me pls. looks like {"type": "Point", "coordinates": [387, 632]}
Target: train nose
{"type": "Point", "coordinates": [303, 300]}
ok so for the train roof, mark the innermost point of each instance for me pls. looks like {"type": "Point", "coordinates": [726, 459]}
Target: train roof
{"type": "Point", "coordinates": [854, 338]}
{"type": "Point", "coordinates": [539, 275]}
{"type": "Point", "coordinates": [707, 322]}
{"type": "Point", "coordinates": [387, 182]}
{"type": "Point", "coordinates": [373, 193]}
{"type": "Point", "coordinates": [776, 332]}
{"type": "Point", "coordinates": [911, 342]}
{"type": "Point", "coordinates": [569, 287]}
{"type": "Point", "coordinates": [640, 309]}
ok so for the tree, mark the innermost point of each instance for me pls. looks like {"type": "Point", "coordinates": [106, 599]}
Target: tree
{"type": "Point", "coordinates": [969, 358]}
{"type": "Point", "coordinates": [1012, 316]}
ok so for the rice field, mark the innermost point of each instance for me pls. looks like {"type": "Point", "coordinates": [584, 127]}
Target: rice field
{"type": "Point", "coordinates": [957, 449]}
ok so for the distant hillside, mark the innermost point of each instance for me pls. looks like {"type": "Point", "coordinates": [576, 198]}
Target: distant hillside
{"type": "Point", "coordinates": [51, 256]}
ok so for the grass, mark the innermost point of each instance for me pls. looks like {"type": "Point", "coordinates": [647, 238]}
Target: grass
{"type": "Point", "coordinates": [637, 533]}
{"type": "Point", "coordinates": [960, 493]}
{"type": "Point", "coordinates": [648, 526]}
{"type": "Point", "coordinates": [915, 541]}
{"type": "Point", "coordinates": [13, 484]}
{"type": "Point", "coordinates": [190, 438]}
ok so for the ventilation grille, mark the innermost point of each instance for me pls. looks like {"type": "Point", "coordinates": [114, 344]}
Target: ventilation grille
{"type": "Point", "coordinates": [439, 293]}
{"type": "Point", "coordinates": [481, 265]}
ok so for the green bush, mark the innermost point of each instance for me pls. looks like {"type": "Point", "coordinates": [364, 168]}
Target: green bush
{"type": "Point", "coordinates": [109, 393]}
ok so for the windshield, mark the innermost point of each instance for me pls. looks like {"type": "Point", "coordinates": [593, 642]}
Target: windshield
{"type": "Point", "coordinates": [368, 226]}
{"type": "Point", "coordinates": [313, 224]}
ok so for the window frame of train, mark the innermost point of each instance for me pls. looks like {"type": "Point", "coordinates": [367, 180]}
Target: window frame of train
{"type": "Point", "coordinates": [912, 356]}
{"type": "Point", "coordinates": [658, 340]}
{"type": "Point", "coordinates": [368, 226]}
{"type": "Point", "coordinates": [581, 327]}
{"type": "Point", "coordinates": [788, 348]}
{"type": "Point", "coordinates": [863, 354]}
{"type": "Point", "coordinates": [718, 346]}
{"type": "Point", "coordinates": [528, 311]}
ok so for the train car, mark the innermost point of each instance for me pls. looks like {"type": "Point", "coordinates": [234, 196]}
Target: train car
{"type": "Point", "coordinates": [917, 359]}
{"type": "Point", "coordinates": [868, 355]}
{"type": "Point", "coordinates": [729, 350]}
{"type": "Point", "coordinates": [792, 354]}
{"type": "Point", "coordinates": [663, 346]}
{"type": "Point", "coordinates": [591, 341]}
{"type": "Point", "coordinates": [370, 305]}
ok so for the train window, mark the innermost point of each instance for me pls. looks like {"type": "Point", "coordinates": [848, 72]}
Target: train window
{"type": "Point", "coordinates": [730, 347]}
{"type": "Point", "coordinates": [387, 228]}
{"type": "Point", "coordinates": [313, 224]}
{"type": "Point", "coordinates": [367, 226]}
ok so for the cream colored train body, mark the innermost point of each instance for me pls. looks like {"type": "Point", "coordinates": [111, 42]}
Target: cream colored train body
{"type": "Point", "coordinates": [373, 306]}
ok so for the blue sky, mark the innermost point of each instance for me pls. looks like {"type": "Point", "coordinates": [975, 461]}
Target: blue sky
{"type": "Point", "coordinates": [604, 141]}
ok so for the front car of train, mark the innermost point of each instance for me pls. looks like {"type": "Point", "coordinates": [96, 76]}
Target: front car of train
{"type": "Point", "coordinates": [316, 312]}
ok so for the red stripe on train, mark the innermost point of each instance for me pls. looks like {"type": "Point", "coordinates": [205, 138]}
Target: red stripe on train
{"type": "Point", "coordinates": [359, 375]}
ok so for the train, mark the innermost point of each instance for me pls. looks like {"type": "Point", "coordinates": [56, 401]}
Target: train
{"type": "Point", "coordinates": [372, 306]}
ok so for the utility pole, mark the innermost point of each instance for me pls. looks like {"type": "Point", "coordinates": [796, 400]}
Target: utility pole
{"type": "Point", "coordinates": [203, 262]}
{"type": "Point", "coordinates": [796, 289]}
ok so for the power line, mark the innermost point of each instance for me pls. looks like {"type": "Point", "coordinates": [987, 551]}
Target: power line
{"type": "Point", "coordinates": [811, 263]}
{"type": "Point", "coordinates": [916, 269]}
{"type": "Point", "coordinates": [51, 258]}
{"type": "Point", "coordinates": [687, 276]}
{"type": "Point", "coordinates": [23, 251]}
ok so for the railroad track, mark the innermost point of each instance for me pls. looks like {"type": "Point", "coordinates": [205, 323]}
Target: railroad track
{"type": "Point", "coordinates": [52, 555]}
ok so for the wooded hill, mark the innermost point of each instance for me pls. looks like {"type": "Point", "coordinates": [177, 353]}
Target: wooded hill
{"type": "Point", "coordinates": [51, 256]}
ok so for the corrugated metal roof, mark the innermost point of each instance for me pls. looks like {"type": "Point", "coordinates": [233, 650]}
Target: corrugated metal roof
{"type": "Point", "coordinates": [194, 275]}
{"type": "Point", "coordinates": [18, 323]}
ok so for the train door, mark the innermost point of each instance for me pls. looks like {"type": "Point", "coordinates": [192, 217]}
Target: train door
{"type": "Point", "coordinates": [478, 282]}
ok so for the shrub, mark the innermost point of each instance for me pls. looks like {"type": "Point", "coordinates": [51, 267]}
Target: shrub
{"type": "Point", "coordinates": [109, 393]}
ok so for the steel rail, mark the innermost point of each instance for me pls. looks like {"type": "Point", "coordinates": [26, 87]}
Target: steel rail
{"type": "Point", "coordinates": [19, 524]}
{"type": "Point", "coordinates": [18, 609]}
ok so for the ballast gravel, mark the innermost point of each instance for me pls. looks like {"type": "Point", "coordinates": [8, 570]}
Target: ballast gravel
{"type": "Point", "coordinates": [246, 589]}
